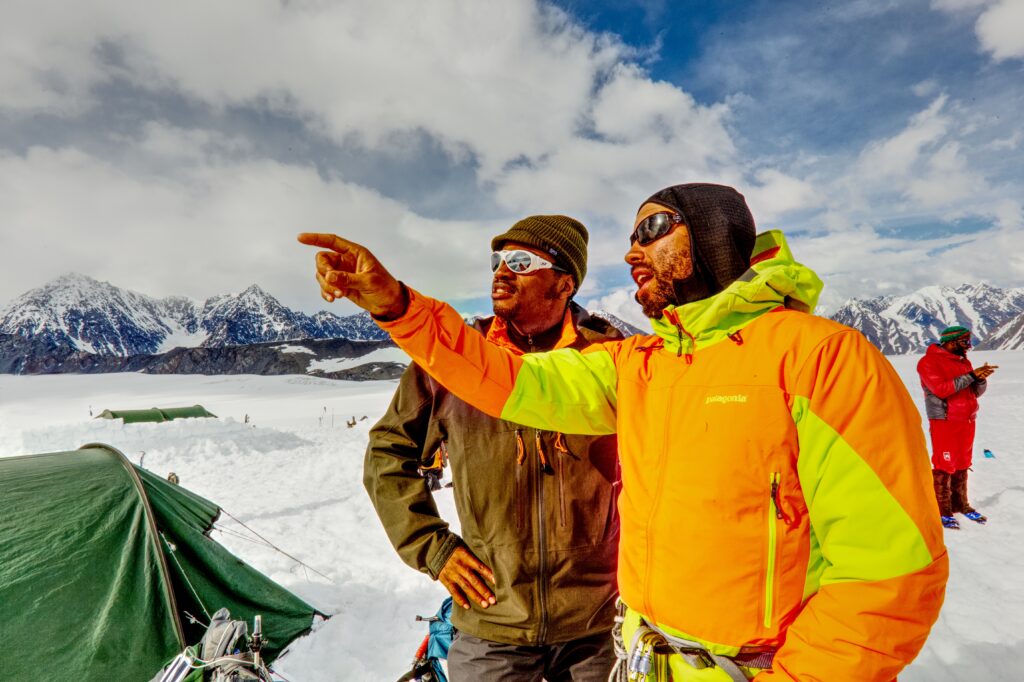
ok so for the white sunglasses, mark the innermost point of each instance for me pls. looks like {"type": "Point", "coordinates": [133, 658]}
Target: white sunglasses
{"type": "Point", "coordinates": [521, 262]}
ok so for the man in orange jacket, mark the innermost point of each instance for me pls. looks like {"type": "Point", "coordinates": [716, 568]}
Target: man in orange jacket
{"type": "Point", "coordinates": [777, 514]}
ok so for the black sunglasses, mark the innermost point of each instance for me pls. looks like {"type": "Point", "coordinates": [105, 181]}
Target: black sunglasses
{"type": "Point", "coordinates": [654, 227]}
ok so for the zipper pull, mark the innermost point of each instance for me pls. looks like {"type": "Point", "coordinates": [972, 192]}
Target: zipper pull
{"type": "Point", "coordinates": [545, 467]}
{"type": "Point", "coordinates": [520, 447]}
{"type": "Point", "coordinates": [779, 514]}
{"type": "Point", "coordinates": [775, 499]}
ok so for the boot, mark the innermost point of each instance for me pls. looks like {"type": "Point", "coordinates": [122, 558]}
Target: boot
{"type": "Point", "coordinates": [958, 497]}
{"type": "Point", "coordinates": [958, 492]}
{"type": "Point", "coordinates": [941, 481]}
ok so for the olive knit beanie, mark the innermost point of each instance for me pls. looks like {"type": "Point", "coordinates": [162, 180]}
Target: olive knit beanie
{"type": "Point", "coordinates": [561, 237]}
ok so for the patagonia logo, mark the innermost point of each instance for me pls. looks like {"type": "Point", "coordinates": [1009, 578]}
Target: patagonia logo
{"type": "Point", "coordinates": [738, 398]}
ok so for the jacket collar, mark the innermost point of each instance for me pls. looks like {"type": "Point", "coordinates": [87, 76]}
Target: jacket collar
{"type": "Point", "coordinates": [774, 280]}
{"type": "Point", "coordinates": [498, 334]}
{"type": "Point", "coordinates": [936, 350]}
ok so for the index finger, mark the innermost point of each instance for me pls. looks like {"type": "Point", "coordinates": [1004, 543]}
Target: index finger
{"type": "Point", "coordinates": [327, 241]}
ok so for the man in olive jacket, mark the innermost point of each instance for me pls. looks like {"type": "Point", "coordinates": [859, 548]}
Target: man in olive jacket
{"type": "Point", "coordinates": [534, 569]}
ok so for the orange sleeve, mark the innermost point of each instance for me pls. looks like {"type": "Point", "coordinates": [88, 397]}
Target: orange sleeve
{"type": "Point", "coordinates": [878, 582]}
{"type": "Point", "coordinates": [438, 340]}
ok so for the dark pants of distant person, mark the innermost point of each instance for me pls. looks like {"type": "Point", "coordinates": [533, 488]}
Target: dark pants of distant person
{"type": "Point", "coordinates": [589, 659]}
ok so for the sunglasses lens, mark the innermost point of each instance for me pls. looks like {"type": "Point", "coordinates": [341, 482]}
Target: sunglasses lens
{"type": "Point", "coordinates": [651, 228]}
{"type": "Point", "coordinates": [519, 261]}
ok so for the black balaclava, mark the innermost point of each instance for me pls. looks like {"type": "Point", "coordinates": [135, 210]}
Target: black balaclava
{"type": "Point", "coordinates": [722, 236]}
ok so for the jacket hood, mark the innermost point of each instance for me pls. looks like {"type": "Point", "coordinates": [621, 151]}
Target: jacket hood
{"type": "Point", "coordinates": [722, 235]}
{"type": "Point", "coordinates": [774, 279]}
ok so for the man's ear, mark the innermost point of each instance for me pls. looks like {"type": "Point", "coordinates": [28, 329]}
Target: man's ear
{"type": "Point", "coordinates": [569, 286]}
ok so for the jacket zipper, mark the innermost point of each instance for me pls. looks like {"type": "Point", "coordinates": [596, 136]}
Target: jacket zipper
{"type": "Point", "coordinates": [561, 486]}
{"type": "Point", "coordinates": [775, 514]}
{"type": "Point", "coordinates": [680, 330]}
{"type": "Point", "coordinates": [542, 567]}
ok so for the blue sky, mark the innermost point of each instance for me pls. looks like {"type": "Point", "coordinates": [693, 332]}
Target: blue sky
{"type": "Point", "coordinates": [177, 149]}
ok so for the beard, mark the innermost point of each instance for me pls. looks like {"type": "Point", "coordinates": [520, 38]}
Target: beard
{"type": "Point", "coordinates": [511, 309]}
{"type": "Point", "coordinates": [658, 295]}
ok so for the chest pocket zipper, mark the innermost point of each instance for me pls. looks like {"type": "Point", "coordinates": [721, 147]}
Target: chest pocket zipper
{"type": "Point", "coordinates": [520, 501]}
{"type": "Point", "coordinates": [774, 516]}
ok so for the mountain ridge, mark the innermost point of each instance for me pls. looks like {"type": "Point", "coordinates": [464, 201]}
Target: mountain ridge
{"type": "Point", "coordinates": [76, 323]}
{"type": "Point", "coordinates": [908, 323]}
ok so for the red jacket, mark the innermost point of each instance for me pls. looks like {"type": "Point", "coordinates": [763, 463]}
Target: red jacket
{"type": "Point", "coordinates": [950, 390]}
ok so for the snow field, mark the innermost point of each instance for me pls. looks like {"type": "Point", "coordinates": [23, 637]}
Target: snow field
{"type": "Point", "coordinates": [294, 474]}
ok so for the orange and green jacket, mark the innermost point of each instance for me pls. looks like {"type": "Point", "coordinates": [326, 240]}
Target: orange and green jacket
{"type": "Point", "coordinates": [776, 482]}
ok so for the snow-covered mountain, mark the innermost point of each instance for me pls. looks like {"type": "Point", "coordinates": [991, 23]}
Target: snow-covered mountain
{"type": "Point", "coordinates": [907, 324]}
{"type": "Point", "coordinates": [1010, 336]}
{"type": "Point", "coordinates": [96, 317]}
{"type": "Point", "coordinates": [625, 327]}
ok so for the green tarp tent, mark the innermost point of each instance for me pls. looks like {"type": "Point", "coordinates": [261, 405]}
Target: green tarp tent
{"type": "Point", "coordinates": [100, 563]}
{"type": "Point", "coordinates": [156, 414]}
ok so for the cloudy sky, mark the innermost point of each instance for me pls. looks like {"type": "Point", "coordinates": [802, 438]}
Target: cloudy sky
{"type": "Point", "coordinates": [177, 147]}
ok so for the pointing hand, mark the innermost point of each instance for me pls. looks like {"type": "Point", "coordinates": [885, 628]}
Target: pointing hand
{"type": "Point", "coordinates": [348, 270]}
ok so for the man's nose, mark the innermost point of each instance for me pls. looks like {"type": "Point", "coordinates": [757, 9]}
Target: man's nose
{"type": "Point", "coordinates": [634, 255]}
{"type": "Point", "coordinates": [504, 270]}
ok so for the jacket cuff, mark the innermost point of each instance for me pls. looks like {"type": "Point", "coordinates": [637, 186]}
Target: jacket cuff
{"type": "Point", "coordinates": [443, 553]}
{"type": "Point", "coordinates": [404, 293]}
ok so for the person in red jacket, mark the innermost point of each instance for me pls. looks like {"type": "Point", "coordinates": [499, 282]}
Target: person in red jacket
{"type": "Point", "coordinates": [951, 389]}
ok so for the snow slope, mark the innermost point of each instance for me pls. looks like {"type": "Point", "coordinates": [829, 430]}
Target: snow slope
{"type": "Point", "coordinates": [293, 473]}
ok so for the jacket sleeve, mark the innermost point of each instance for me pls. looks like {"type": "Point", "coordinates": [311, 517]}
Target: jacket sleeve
{"type": "Point", "coordinates": [979, 386]}
{"type": "Point", "coordinates": [562, 390]}
{"type": "Point", "coordinates": [404, 503]}
{"type": "Point", "coordinates": [878, 567]}
{"type": "Point", "coordinates": [941, 385]}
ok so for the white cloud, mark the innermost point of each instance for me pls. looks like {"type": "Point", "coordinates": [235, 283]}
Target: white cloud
{"type": "Point", "coordinates": [1000, 29]}
{"type": "Point", "coordinates": [774, 193]}
{"type": "Point", "coordinates": [644, 135]}
{"type": "Point", "coordinates": [217, 226]}
{"type": "Point", "coordinates": [1006, 143]}
{"type": "Point", "coordinates": [926, 88]}
{"type": "Point", "coordinates": [549, 117]}
{"type": "Point", "coordinates": [894, 157]}
{"type": "Point", "coordinates": [621, 304]}
{"type": "Point", "coordinates": [504, 80]}
{"type": "Point", "coordinates": [553, 118]}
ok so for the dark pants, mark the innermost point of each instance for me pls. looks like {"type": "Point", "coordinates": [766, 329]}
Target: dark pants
{"type": "Point", "coordinates": [589, 659]}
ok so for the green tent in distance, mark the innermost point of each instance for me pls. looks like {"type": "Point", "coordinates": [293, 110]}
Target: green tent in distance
{"type": "Point", "coordinates": [156, 414]}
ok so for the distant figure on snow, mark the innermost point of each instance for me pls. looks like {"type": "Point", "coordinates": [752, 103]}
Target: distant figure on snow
{"type": "Point", "coordinates": [951, 389]}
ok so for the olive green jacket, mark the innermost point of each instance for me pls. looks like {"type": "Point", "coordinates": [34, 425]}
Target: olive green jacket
{"type": "Point", "coordinates": [548, 531]}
